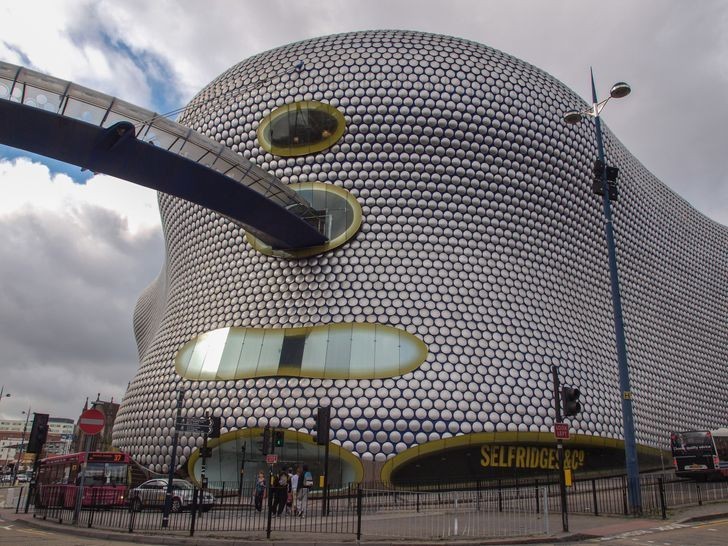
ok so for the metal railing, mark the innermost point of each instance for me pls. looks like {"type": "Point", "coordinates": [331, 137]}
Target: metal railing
{"type": "Point", "coordinates": [476, 510]}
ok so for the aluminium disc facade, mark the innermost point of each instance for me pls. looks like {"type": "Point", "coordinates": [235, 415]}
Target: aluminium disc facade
{"type": "Point", "coordinates": [480, 236]}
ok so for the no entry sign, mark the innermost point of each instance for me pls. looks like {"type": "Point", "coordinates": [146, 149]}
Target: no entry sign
{"type": "Point", "coordinates": [91, 421]}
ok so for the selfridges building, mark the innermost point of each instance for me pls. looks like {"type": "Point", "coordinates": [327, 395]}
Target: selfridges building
{"type": "Point", "coordinates": [471, 259]}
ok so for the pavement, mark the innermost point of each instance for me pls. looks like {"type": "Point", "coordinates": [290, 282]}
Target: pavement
{"type": "Point", "coordinates": [581, 527]}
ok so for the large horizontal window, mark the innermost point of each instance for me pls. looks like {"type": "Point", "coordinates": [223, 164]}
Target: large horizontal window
{"type": "Point", "coordinates": [301, 128]}
{"type": "Point", "coordinates": [332, 351]}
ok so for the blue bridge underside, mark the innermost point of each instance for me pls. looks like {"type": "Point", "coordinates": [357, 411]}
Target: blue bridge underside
{"type": "Point", "coordinates": [116, 152]}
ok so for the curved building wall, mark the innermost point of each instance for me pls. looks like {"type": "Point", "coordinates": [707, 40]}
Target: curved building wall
{"type": "Point", "coordinates": [480, 235]}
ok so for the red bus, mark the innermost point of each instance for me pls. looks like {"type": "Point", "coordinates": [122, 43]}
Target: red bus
{"type": "Point", "coordinates": [105, 483]}
{"type": "Point", "coordinates": [700, 454]}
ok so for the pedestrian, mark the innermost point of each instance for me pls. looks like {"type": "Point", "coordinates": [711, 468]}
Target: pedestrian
{"type": "Point", "coordinates": [289, 492]}
{"type": "Point", "coordinates": [259, 491]}
{"type": "Point", "coordinates": [303, 490]}
{"type": "Point", "coordinates": [295, 480]}
{"type": "Point", "coordinates": [281, 494]}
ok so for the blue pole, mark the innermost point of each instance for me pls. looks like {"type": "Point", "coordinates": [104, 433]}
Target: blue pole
{"type": "Point", "coordinates": [630, 447]}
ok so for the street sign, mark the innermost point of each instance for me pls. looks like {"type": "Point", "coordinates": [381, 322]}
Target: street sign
{"type": "Point", "coordinates": [200, 429]}
{"type": "Point", "coordinates": [199, 425]}
{"type": "Point", "coordinates": [91, 421]}
{"type": "Point", "coordinates": [561, 431]}
{"type": "Point", "coordinates": [271, 459]}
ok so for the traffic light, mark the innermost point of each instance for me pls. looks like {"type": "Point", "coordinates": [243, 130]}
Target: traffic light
{"type": "Point", "coordinates": [612, 173]}
{"type": "Point", "coordinates": [570, 401]}
{"type": "Point", "coordinates": [215, 424]}
{"type": "Point", "coordinates": [278, 438]}
{"type": "Point", "coordinates": [321, 430]}
{"type": "Point", "coordinates": [266, 440]}
{"type": "Point", "coordinates": [38, 433]}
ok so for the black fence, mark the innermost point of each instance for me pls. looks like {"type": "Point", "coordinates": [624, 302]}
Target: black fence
{"type": "Point", "coordinates": [478, 509]}
{"type": "Point", "coordinates": [234, 510]}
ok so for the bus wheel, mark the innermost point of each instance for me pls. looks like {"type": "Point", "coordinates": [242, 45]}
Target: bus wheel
{"type": "Point", "coordinates": [176, 505]}
{"type": "Point", "coordinates": [136, 505]}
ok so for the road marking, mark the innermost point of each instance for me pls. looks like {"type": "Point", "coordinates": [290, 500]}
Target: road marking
{"type": "Point", "coordinates": [34, 532]}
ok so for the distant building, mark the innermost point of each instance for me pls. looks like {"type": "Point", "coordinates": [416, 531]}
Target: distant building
{"type": "Point", "coordinates": [102, 440]}
{"type": "Point", "coordinates": [14, 436]}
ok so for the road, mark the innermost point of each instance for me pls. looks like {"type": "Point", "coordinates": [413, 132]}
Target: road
{"type": "Point", "coordinates": [17, 534]}
{"type": "Point", "coordinates": [710, 533]}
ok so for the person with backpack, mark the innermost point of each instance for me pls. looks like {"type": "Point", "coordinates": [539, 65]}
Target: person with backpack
{"type": "Point", "coordinates": [304, 485]}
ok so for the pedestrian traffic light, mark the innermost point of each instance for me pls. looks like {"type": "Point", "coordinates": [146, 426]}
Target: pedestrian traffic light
{"type": "Point", "coordinates": [215, 424]}
{"type": "Point", "coordinates": [570, 401]}
{"type": "Point", "coordinates": [266, 440]}
{"type": "Point", "coordinates": [38, 433]}
{"type": "Point", "coordinates": [321, 429]}
{"type": "Point", "coordinates": [278, 438]}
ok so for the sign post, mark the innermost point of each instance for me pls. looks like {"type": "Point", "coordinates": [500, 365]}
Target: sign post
{"type": "Point", "coordinates": [558, 426]}
{"type": "Point", "coordinates": [91, 422]}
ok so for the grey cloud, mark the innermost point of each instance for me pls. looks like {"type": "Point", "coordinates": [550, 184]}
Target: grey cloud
{"type": "Point", "coordinates": [66, 304]}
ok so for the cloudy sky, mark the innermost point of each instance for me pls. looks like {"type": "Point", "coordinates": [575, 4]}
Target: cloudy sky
{"type": "Point", "coordinates": [77, 250]}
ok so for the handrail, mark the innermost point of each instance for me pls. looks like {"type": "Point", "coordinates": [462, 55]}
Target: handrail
{"type": "Point", "coordinates": [25, 86]}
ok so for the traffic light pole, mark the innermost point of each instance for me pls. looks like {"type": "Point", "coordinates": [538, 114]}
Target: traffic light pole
{"type": "Point", "coordinates": [630, 446]}
{"type": "Point", "coordinates": [325, 498]}
{"type": "Point", "coordinates": [560, 449]}
{"type": "Point", "coordinates": [172, 463]}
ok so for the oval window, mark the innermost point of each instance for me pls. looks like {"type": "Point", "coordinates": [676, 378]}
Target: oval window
{"type": "Point", "coordinates": [341, 218]}
{"type": "Point", "coordinates": [301, 128]}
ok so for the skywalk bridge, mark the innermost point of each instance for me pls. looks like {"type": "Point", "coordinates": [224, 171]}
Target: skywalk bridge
{"type": "Point", "coordinates": [103, 134]}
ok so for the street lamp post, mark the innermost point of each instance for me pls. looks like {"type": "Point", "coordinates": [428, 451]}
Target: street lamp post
{"type": "Point", "coordinates": [618, 91]}
{"type": "Point", "coordinates": [22, 447]}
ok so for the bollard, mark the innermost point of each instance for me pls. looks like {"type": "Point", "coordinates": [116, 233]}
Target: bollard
{"type": "Point", "coordinates": [700, 498]}
{"type": "Point", "coordinates": [661, 487]}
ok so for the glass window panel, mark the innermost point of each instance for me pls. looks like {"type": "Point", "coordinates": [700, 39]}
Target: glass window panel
{"type": "Point", "coordinates": [5, 86]}
{"type": "Point", "coordinates": [386, 352]}
{"type": "Point", "coordinates": [215, 341]}
{"type": "Point", "coordinates": [194, 368]}
{"type": "Point", "coordinates": [250, 353]}
{"type": "Point", "coordinates": [183, 359]}
{"type": "Point", "coordinates": [362, 352]}
{"type": "Point", "coordinates": [410, 353]}
{"type": "Point", "coordinates": [338, 351]}
{"type": "Point", "coordinates": [270, 353]}
{"type": "Point", "coordinates": [314, 353]}
{"type": "Point", "coordinates": [192, 151]}
{"type": "Point", "coordinates": [231, 355]}
{"type": "Point", "coordinates": [83, 111]}
{"type": "Point", "coordinates": [40, 98]}
{"type": "Point", "coordinates": [160, 138]}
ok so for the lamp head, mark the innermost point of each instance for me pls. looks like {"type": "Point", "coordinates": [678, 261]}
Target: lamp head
{"type": "Point", "coordinates": [572, 117]}
{"type": "Point", "coordinates": [619, 90]}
